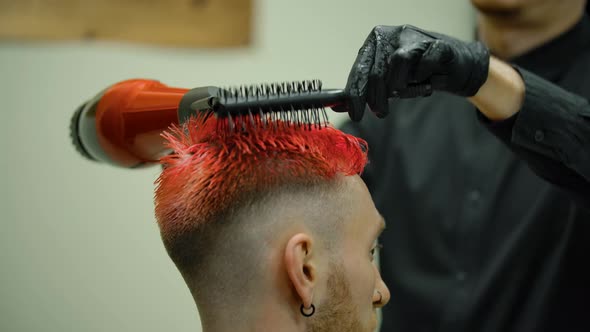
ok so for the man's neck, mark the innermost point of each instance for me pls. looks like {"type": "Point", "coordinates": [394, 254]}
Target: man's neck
{"type": "Point", "coordinates": [513, 35]}
{"type": "Point", "coordinates": [246, 327]}
{"type": "Point", "coordinates": [270, 318]}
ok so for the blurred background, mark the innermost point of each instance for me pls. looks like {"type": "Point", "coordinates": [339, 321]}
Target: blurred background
{"type": "Point", "coordinates": [79, 246]}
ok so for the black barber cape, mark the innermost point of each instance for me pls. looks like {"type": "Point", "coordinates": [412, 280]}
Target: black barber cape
{"type": "Point", "coordinates": [488, 224]}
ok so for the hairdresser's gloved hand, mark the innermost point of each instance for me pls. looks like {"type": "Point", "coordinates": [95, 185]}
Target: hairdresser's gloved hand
{"type": "Point", "coordinates": [406, 62]}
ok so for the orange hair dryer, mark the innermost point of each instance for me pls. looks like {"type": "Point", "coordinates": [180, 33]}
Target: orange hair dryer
{"type": "Point", "coordinates": [122, 124]}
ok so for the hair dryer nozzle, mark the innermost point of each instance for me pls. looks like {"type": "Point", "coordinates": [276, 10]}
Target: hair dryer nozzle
{"type": "Point", "coordinates": [75, 136]}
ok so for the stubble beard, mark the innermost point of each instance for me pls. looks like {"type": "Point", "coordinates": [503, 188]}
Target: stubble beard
{"type": "Point", "coordinates": [338, 313]}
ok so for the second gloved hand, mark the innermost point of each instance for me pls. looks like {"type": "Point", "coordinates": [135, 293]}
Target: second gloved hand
{"type": "Point", "coordinates": [405, 61]}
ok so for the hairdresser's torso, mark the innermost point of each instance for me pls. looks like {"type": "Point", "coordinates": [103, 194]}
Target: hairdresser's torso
{"type": "Point", "coordinates": [475, 240]}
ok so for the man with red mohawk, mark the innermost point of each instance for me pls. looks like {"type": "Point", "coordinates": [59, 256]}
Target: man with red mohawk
{"type": "Point", "coordinates": [272, 229]}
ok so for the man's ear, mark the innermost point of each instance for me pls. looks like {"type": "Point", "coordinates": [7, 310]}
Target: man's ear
{"type": "Point", "coordinates": [300, 267]}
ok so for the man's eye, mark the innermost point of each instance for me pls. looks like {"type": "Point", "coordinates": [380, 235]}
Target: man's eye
{"type": "Point", "coordinates": [375, 250]}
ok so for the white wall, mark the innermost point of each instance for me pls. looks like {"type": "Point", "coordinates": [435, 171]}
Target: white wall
{"type": "Point", "coordinates": [79, 248]}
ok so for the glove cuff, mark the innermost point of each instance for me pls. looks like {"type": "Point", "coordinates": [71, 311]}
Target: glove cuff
{"type": "Point", "coordinates": [479, 70]}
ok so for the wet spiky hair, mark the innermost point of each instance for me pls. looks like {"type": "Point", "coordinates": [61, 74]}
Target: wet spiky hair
{"type": "Point", "coordinates": [212, 171]}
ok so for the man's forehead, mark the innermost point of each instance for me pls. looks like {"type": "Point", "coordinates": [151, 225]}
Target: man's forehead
{"type": "Point", "coordinates": [357, 200]}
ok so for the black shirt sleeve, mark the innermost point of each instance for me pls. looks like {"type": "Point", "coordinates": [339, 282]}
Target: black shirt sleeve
{"type": "Point", "coordinates": [551, 132]}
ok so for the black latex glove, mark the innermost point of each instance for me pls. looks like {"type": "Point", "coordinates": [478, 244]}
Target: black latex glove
{"type": "Point", "coordinates": [406, 62]}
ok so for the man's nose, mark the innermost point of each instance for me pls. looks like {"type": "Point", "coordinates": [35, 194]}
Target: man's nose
{"type": "Point", "coordinates": [381, 295]}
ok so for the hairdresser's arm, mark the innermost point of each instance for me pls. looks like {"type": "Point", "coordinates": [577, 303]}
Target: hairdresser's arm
{"type": "Point", "coordinates": [543, 124]}
{"type": "Point", "coordinates": [502, 94]}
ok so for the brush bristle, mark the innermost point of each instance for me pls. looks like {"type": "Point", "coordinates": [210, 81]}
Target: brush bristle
{"type": "Point", "coordinates": [263, 105]}
{"type": "Point", "coordinates": [312, 118]}
{"type": "Point", "coordinates": [257, 91]}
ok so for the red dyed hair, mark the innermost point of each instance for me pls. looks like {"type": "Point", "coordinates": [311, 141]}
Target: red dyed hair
{"type": "Point", "coordinates": [211, 170]}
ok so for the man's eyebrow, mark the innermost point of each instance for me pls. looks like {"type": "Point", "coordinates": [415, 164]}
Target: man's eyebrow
{"type": "Point", "coordinates": [382, 224]}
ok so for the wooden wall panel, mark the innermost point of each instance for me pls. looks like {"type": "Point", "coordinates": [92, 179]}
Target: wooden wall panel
{"type": "Point", "coordinates": [201, 23]}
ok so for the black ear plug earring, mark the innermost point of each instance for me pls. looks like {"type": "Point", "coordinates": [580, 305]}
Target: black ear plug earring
{"type": "Point", "coordinates": [302, 309]}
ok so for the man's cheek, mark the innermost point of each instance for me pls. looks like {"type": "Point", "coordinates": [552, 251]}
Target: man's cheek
{"type": "Point", "coordinates": [361, 274]}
